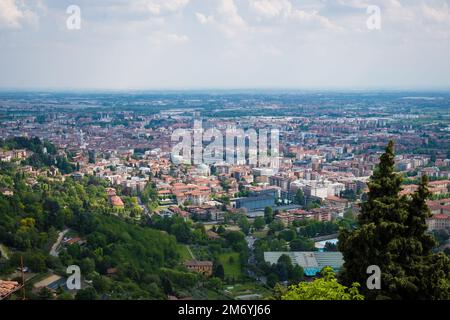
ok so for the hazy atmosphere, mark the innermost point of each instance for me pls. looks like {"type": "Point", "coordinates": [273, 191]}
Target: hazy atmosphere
{"type": "Point", "coordinates": [155, 44]}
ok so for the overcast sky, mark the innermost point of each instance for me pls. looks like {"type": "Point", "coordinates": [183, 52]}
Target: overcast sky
{"type": "Point", "coordinates": [151, 44]}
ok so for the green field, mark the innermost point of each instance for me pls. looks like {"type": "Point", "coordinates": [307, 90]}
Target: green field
{"type": "Point", "coordinates": [260, 234]}
{"type": "Point", "coordinates": [184, 253]}
{"type": "Point", "coordinates": [231, 269]}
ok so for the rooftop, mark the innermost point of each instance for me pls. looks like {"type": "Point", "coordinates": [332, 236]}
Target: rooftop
{"type": "Point", "coordinates": [311, 262]}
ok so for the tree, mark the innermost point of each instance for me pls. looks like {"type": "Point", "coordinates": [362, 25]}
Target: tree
{"type": "Point", "coordinates": [299, 197]}
{"type": "Point", "coordinates": [441, 236]}
{"type": "Point", "coordinates": [244, 224]}
{"type": "Point", "coordinates": [181, 231]}
{"type": "Point", "coordinates": [284, 267]}
{"type": "Point", "coordinates": [219, 271]}
{"type": "Point", "coordinates": [86, 294]}
{"type": "Point", "coordinates": [268, 214]}
{"type": "Point", "coordinates": [65, 296]}
{"type": "Point", "coordinates": [45, 293]}
{"type": "Point", "coordinates": [87, 266]}
{"type": "Point", "coordinates": [297, 274]}
{"type": "Point", "coordinates": [330, 247]}
{"type": "Point", "coordinates": [325, 288]}
{"type": "Point", "coordinates": [349, 214]}
{"type": "Point", "coordinates": [272, 280]}
{"type": "Point", "coordinates": [288, 235]}
{"type": "Point", "coordinates": [392, 235]}
{"type": "Point", "coordinates": [259, 223]}
{"type": "Point", "coordinates": [215, 283]}
{"type": "Point", "coordinates": [301, 244]}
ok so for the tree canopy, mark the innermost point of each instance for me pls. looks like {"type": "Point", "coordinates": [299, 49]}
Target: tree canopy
{"type": "Point", "coordinates": [324, 288]}
{"type": "Point", "coordinates": [392, 235]}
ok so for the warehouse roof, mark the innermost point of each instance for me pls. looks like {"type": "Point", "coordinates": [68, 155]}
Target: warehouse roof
{"type": "Point", "coordinates": [311, 262]}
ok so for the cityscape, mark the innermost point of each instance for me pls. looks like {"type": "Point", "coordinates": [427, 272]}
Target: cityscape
{"type": "Point", "coordinates": [234, 178]}
{"type": "Point", "coordinates": [88, 179]}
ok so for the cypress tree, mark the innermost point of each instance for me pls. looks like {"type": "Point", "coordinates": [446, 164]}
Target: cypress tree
{"type": "Point", "coordinates": [432, 271]}
{"type": "Point", "coordinates": [392, 235]}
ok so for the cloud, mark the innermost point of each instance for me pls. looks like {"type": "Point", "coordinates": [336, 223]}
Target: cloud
{"type": "Point", "coordinates": [203, 19]}
{"type": "Point", "coordinates": [231, 23]}
{"type": "Point", "coordinates": [226, 19]}
{"type": "Point", "coordinates": [160, 38]}
{"type": "Point", "coordinates": [271, 9]}
{"type": "Point", "coordinates": [159, 7]}
{"type": "Point", "coordinates": [14, 13]}
{"type": "Point", "coordinates": [439, 14]}
{"type": "Point", "coordinates": [283, 9]}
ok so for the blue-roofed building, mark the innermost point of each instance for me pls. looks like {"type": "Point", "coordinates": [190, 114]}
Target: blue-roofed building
{"type": "Point", "coordinates": [311, 262]}
{"type": "Point", "coordinates": [255, 203]}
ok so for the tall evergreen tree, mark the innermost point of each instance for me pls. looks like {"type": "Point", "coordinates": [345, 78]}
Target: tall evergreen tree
{"type": "Point", "coordinates": [432, 271]}
{"type": "Point", "coordinates": [392, 235]}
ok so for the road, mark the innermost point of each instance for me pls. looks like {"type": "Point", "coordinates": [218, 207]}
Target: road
{"type": "Point", "coordinates": [324, 238]}
{"type": "Point", "coordinates": [251, 259]}
{"type": "Point", "coordinates": [144, 207]}
{"type": "Point", "coordinates": [54, 249]}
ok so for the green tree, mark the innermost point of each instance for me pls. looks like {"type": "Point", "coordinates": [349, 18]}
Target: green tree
{"type": "Point", "coordinates": [65, 296]}
{"type": "Point", "coordinates": [181, 231]}
{"type": "Point", "coordinates": [301, 244]}
{"type": "Point", "coordinates": [392, 235]}
{"type": "Point", "coordinates": [45, 294]}
{"type": "Point", "coordinates": [219, 272]}
{"type": "Point", "coordinates": [288, 234]}
{"type": "Point", "coordinates": [259, 223]}
{"type": "Point", "coordinates": [299, 197]}
{"type": "Point", "coordinates": [272, 280]}
{"type": "Point", "coordinates": [268, 214]}
{"type": "Point", "coordinates": [244, 224]}
{"type": "Point", "coordinates": [325, 288]}
{"type": "Point", "coordinates": [86, 294]}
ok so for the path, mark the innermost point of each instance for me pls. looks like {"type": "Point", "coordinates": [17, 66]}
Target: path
{"type": "Point", "coordinates": [190, 252]}
{"type": "Point", "coordinates": [53, 251]}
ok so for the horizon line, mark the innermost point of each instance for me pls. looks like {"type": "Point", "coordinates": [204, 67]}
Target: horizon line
{"type": "Point", "coordinates": [224, 89]}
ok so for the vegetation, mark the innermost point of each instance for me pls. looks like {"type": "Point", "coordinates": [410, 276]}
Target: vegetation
{"type": "Point", "coordinates": [392, 235]}
{"type": "Point", "coordinates": [325, 288]}
{"type": "Point", "coordinates": [231, 264]}
{"type": "Point", "coordinates": [44, 154]}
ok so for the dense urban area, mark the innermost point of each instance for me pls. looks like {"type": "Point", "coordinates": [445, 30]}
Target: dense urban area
{"type": "Point", "coordinates": [88, 179]}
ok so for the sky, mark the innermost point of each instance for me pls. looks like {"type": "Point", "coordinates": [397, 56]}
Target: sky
{"type": "Point", "coordinates": [195, 44]}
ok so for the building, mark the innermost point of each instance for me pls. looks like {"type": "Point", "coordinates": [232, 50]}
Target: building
{"type": "Point", "coordinates": [7, 288]}
{"type": "Point", "coordinates": [117, 202]}
{"type": "Point", "coordinates": [255, 203]}
{"type": "Point", "coordinates": [311, 262]}
{"type": "Point", "coordinates": [203, 267]}
{"type": "Point", "coordinates": [438, 222]}
{"type": "Point", "coordinates": [49, 282]}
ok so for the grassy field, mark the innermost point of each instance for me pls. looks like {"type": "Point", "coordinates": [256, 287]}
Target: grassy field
{"type": "Point", "coordinates": [231, 269]}
{"type": "Point", "coordinates": [260, 234]}
{"type": "Point", "coordinates": [184, 253]}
